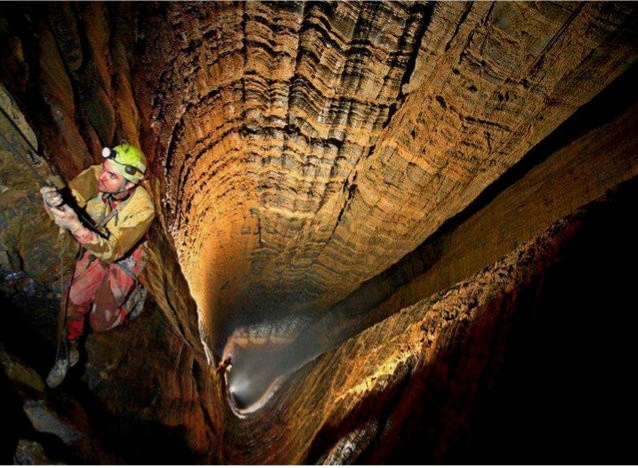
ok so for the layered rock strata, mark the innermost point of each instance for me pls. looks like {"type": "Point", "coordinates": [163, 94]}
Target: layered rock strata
{"type": "Point", "coordinates": [587, 155]}
{"type": "Point", "coordinates": [298, 150]}
{"type": "Point", "coordinates": [344, 134]}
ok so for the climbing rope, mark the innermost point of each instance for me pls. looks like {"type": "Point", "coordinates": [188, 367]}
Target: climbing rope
{"type": "Point", "coordinates": [62, 344]}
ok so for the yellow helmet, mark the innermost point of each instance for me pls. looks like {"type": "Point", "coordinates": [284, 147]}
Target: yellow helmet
{"type": "Point", "coordinates": [128, 161]}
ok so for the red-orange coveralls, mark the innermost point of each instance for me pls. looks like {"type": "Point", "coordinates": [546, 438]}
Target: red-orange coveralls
{"type": "Point", "coordinates": [107, 271]}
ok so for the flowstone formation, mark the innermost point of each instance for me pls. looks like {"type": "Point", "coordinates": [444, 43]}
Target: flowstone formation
{"type": "Point", "coordinates": [381, 210]}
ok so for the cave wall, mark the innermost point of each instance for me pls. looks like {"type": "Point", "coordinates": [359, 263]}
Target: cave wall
{"type": "Point", "coordinates": [69, 68]}
{"type": "Point", "coordinates": [523, 362]}
{"type": "Point", "coordinates": [298, 150]}
{"type": "Point", "coordinates": [584, 168]}
{"type": "Point", "coordinates": [242, 126]}
{"type": "Point", "coordinates": [588, 154]}
{"type": "Point", "coordinates": [145, 394]}
{"type": "Point", "coordinates": [311, 146]}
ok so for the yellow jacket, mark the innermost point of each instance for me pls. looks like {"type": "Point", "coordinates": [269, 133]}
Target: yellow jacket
{"type": "Point", "coordinates": [125, 229]}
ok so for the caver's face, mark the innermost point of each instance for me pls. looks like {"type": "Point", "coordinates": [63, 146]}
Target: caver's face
{"type": "Point", "coordinates": [111, 181]}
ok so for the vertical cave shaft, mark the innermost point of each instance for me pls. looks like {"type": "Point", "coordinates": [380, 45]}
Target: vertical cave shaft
{"type": "Point", "coordinates": [321, 168]}
{"type": "Point", "coordinates": [311, 146]}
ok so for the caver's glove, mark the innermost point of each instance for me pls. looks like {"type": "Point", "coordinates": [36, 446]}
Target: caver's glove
{"type": "Point", "coordinates": [51, 196]}
{"type": "Point", "coordinates": [66, 218]}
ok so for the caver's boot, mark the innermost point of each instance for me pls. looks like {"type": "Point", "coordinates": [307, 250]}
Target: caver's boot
{"type": "Point", "coordinates": [67, 358]}
{"type": "Point", "coordinates": [58, 372]}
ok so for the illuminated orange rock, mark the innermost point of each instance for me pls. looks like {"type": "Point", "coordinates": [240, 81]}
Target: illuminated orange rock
{"type": "Point", "coordinates": [321, 170]}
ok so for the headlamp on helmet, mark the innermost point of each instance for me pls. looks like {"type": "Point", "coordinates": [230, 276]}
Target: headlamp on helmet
{"type": "Point", "coordinates": [128, 161]}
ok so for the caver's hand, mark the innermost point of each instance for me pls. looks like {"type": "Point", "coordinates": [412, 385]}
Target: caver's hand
{"type": "Point", "coordinates": [51, 196]}
{"type": "Point", "coordinates": [66, 218]}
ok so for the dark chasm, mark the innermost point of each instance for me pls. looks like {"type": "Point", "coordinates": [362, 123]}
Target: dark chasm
{"type": "Point", "coordinates": [385, 232]}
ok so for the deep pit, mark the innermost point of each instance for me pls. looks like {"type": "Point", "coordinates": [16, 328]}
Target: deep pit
{"type": "Point", "coordinates": [403, 220]}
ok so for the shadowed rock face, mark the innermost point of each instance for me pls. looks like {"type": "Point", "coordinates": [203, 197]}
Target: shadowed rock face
{"type": "Point", "coordinates": [319, 168]}
{"type": "Point", "coordinates": [520, 362]}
